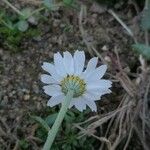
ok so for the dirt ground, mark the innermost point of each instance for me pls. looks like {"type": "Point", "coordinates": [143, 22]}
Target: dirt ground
{"type": "Point", "coordinates": [95, 31]}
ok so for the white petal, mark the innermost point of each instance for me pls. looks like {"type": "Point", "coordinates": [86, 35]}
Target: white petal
{"type": "Point", "coordinates": [91, 64]}
{"type": "Point", "coordinates": [95, 74]}
{"type": "Point", "coordinates": [91, 96]}
{"type": "Point", "coordinates": [47, 67]}
{"type": "Point", "coordinates": [79, 60]}
{"type": "Point", "coordinates": [99, 92]}
{"type": "Point", "coordinates": [58, 61]}
{"type": "Point", "coordinates": [100, 84]}
{"type": "Point", "coordinates": [48, 79]}
{"type": "Point", "coordinates": [95, 94]}
{"type": "Point", "coordinates": [52, 90]}
{"type": "Point", "coordinates": [68, 63]}
{"type": "Point", "coordinates": [51, 69]}
{"type": "Point", "coordinates": [55, 100]}
{"type": "Point", "coordinates": [91, 104]}
{"type": "Point", "coordinates": [79, 103]}
{"type": "Point", "coordinates": [101, 70]}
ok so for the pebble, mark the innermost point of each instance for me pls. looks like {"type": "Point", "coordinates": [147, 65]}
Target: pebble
{"type": "Point", "coordinates": [107, 58]}
{"type": "Point", "coordinates": [33, 20]}
{"type": "Point", "coordinates": [105, 48]}
{"type": "Point", "coordinates": [4, 101]}
{"type": "Point", "coordinates": [26, 97]}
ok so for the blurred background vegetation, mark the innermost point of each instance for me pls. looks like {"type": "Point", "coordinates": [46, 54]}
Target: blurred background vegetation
{"type": "Point", "coordinates": [26, 27]}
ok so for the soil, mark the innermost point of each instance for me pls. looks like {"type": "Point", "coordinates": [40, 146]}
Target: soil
{"type": "Point", "coordinates": [21, 90]}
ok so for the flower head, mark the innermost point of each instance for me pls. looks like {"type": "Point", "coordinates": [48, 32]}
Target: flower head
{"type": "Point", "coordinates": [67, 73]}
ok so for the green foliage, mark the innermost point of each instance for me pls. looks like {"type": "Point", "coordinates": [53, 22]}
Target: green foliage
{"type": "Point", "coordinates": [68, 28]}
{"type": "Point", "coordinates": [23, 144]}
{"type": "Point", "coordinates": [67, 137]}
{"type": "Point", "coordinates": [13, 31]}
{"type": "Point", "coordinates": [142, 49]}
{"type": "Point", "coordinates": [145, 22]}
{"type": "Point", "coordinates": [71, 4]}
{"type": "Point", "coordinates": [51, 5]}
{"type": "Point", "coordinates": [41, 133]}
{"type": "Point", "coordinates": [68, 2]}
{"type": "Point", "coordinates": [22, 25]}
{"type": "Point", "coordinates": [50, 119]}
{"type": "Point", "coordinates": [11, 38]}
{"type": "Point", "coordinates": [26, 13]}
{"type": "Point", "coordinates": [42, 122]}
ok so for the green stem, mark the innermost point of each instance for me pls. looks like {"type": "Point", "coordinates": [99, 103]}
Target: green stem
{"type": "Point", "coordinates": [52, 133]}
{"type": "Point", "coordinates": [36, 11]}
{"type": "Point", "coordinates": [14, 8]}
{"type": "Point", "coordinates": [121, 22]}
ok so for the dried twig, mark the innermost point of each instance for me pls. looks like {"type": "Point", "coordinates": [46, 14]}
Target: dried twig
{"type": "Point", "coordinates": [102, 139]}
{"type": "Point", "coordinates": [84, 35]}
{"type": "Point", "coordinates": [123, 24]}
{"type": "Point", "coordinates": [145, 103]}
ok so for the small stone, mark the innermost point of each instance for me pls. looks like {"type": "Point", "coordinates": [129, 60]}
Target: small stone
{"type": "Point", "coordinates": [26, 97]}
{"type": "Point", "coordinates": [107, 59]}
{"type": "Point", "coordinates": [35, 88]}
{"type": "Point", "coordinates": [56, 23]}
{"type": "Point", "coordinates": [127, 69]}
{"type": "Point", "coordinates": [105, 48]}
{"type": "Point", "coordinates": [138, 81]}
{"type": "Point", "coordinates": [4, 101]}
{"type": "Point", "coordinates": [33, 20]}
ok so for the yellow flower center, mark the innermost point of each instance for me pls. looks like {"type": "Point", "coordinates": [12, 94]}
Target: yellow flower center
{"type": "Point", "coordinates": [74, 83]}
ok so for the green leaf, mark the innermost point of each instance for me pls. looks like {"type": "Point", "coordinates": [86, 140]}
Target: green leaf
{"type": "Point", "coordinates": [26, 13]}
{"type": "Point", "coordinates": [2, 14]}
{"type": "Point", "coordinates": [50, 119]}
{"type": "Point", "coordinates": [24, 144]}
{"type": "Point", "coordinates": [142, 49]}
{"type": "Point", "coordinates": [50, 4]}
{"type": "Point", "coordinates": [42, 122]}
{"type": "Point", "coordinates": [22, 25]}
{"type": "Point", "coordinates": [69, 117]}
{"type": "Point", "coordinates": [145, 22]}
{"type": "Point", "coordinates": [68, 2]}
{"type": "Point", "coordinates": [10, 25]}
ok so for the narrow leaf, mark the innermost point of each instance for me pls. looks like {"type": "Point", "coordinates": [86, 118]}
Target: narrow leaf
{"type": "Point", "coordinates": [145, 22]}
{"type": "Point", "coordinates": [50, 119]}
{"type": "Point", "coordinates": [26, 13]}
{"type": "Point", "coordinates": [22, 25]}
{"type": "Point", "coordinates": [142, 49]}
{"type": "Point", "coordinates": [68, 2]}
{"type": "Point", "coordinates": [42, 122]}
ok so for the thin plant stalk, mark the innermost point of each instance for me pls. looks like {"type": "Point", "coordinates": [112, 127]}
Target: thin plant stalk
{"type": "Point", "coordinates": [123, 24]}
{"type": "Point", "coordinates": [36, 11]}
{"type": "Point", "coordinates": [14, 8]}
{"type": "Point", "coordinates": [52, 133]}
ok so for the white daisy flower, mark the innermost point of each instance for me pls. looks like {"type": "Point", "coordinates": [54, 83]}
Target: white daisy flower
{"type": "Point", "coordinates": [68, 72]}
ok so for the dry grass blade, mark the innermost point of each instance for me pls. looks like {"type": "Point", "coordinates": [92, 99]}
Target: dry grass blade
{"type": "Point", "coordinates": [107, 117]}
{"type": "Point", "coordinates": [89, 120]}
{"type": "Point", "coordinates": [145, 102]}
{"type": "Point", "coordinates": [140, 137]}
{"type": "Point", "coordinates": [84, 35]}
{"type": "Point", "coordinates": [128, 140]}
{"type": "Point", "coordinates": [102, 139]}
{"type": "Point", "coordinates": [124, 79]}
